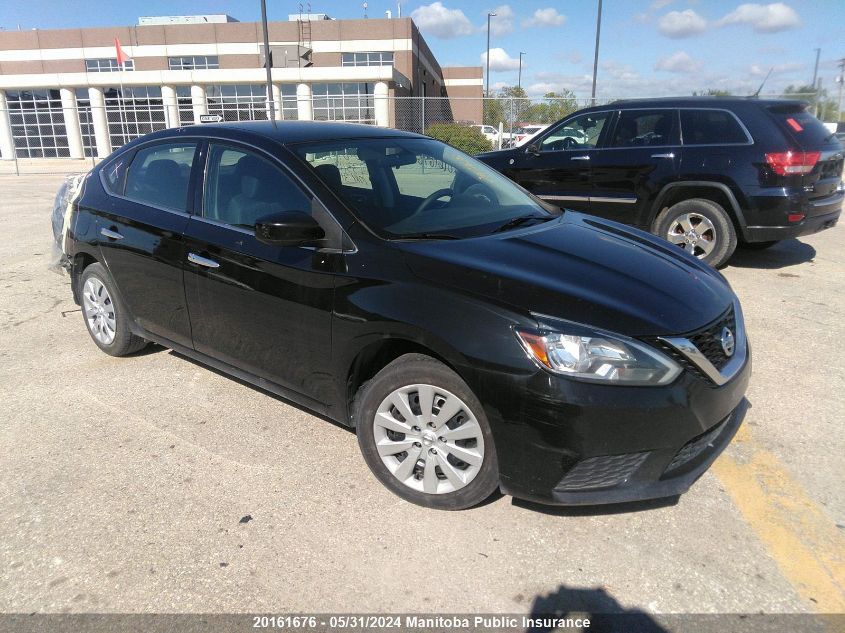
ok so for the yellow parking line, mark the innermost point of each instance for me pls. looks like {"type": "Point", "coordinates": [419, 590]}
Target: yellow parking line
{"type": "Point", "coordinates": [804, 542]}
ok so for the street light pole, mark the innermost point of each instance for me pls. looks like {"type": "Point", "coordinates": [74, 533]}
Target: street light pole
{"type": "Point", "coordinates": [519, 81]}
{"type": "Point", "coordinates": [841, 80]}
{"type": "Point", "coordinates": [489, 15]}
{"type": "Point", "coordinates": [268, 63]}
{"type": "Point", "coordinates": [596, 58]}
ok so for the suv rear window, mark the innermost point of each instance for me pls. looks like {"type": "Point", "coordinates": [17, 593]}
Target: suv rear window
{"type": "Point", "coordinates": [800, 124]}
{"type": "Point", "coordinates": [711, 127]}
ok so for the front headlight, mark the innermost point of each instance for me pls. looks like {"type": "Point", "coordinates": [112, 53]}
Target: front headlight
{"type": "Point", "coordinates": [599, 356]}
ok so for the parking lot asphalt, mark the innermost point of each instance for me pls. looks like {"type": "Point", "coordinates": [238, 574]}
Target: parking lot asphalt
{"type": "Point", "coordinates": [153, 484]}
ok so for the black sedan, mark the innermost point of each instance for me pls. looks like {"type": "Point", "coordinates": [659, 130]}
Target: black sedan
{"type": "Point", "coordinates": [474, 336]}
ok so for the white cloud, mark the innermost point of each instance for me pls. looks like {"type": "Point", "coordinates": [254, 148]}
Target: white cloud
{"type": "Point", "coordinates": [545, 17]}
{"type": "Point", "coordinates": [502, 23]}
{"type": "Point", "coordinates": [659, 4]}
{"type": "Point", "coordinates": [678, 62]}
{"type": "Point", "coordinates": [500, 61]}
{"type": "Point", "coordinates": [440, 21]}
{"type": "Point", "coordinates": [679, 24]}
{"type": "Point", "coordinates": [760, 70]}
{"type": "Point", "coordinates": [764, 18]}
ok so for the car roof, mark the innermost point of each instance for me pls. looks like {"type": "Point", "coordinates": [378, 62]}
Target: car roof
{"type": "Point", "coordinates": [301, 131]}
{"type": "Point", "coordinates": [704, 101]}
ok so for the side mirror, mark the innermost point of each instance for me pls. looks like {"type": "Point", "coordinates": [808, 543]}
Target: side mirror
{"type": "Point", "coordinates": [532, 149]}
{"type": "Point", "coordinates": [289, 228]}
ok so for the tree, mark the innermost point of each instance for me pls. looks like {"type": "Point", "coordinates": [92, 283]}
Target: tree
{"type": "Point", "coordinates": [553, 107]}
{"type": "Point", "coordinates": [712, 92]}
{"type": "Point", "coordinates": [467, 139]}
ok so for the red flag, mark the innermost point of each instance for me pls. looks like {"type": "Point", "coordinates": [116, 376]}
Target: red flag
{"type": "Point", "coordinates": [121, 56]}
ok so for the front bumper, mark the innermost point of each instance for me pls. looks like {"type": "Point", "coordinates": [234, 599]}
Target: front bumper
{"type": "Point", "coordinates": [575, 443]}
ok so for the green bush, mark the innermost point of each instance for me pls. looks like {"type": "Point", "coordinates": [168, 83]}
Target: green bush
{"type": "Point", "coordinates": [467, 139]}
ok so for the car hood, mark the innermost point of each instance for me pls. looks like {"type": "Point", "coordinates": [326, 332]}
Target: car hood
{"type": "Point", "coordinates": [582, 269]}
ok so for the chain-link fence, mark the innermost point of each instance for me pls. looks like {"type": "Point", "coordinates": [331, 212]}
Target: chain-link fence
{"type": "Point", "coordinates": [49, 136]}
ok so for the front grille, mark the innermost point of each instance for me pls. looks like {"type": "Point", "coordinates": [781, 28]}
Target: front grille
{"type": "Point", "coordinates": [708, 340]}
{"type": "Point", "coordinates": [695, 446]}
{"type": "Point", "coordinates": [601, 472]}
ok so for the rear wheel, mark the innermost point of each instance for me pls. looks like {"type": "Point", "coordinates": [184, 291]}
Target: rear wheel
{"type": "Point", "coordinates": [104, 314]}
{"type": "Point", "coordinates": [425, 436]}
{"type": "Point", "coordinates": [700, 227]}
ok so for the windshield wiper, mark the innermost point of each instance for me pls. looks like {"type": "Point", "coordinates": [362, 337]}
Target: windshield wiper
{"type": "Point", "coordinates": [519, 221]}
{"type": "Point", "coordinates": [427, 236]}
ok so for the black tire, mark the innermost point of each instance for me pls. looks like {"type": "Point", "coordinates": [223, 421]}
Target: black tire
{"type": "Point", "coordinates": [758, 246]}
{"type": "Point", "coordinates": [124, 342]}
{"type": "Point", "coordinates": [413, 369]}
{"type": "Point", "coordinates": [725, 235]}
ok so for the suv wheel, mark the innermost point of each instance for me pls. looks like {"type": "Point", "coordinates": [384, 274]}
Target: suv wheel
{"type": "Point", "coordinates": [701, 227]}
{"type": "Point", "coordinates": [425, 436]}
{"type": "Point", "coordinates": [105, 317]}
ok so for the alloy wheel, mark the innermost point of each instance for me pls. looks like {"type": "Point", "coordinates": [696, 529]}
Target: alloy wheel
{"type": "Point", "coordinates": [694, 233]}
{"type": "Point", "coordinates": [99, 310]}
{"type": "Point", "coordinates": [428, 439]}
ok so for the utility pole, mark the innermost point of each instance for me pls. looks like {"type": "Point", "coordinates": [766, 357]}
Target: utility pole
{"type": "Point", "coordinates": [841, 80]}
{"type": "Point", "coordinates": [815, 85]}
{"type": "Point", "coordinates": [489, 15]}
{"type": "Point", "coordinates": [596, 58]}
{"type": "Point", "coordinates": [519, 81]}
{"type": "Point", "coordinates": [268, 62]}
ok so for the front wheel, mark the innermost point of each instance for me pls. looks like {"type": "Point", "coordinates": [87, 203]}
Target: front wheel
{"type": "Point", "coordinates": [700, 227]}
{"type": "Point", "coordinates": [425, 436]}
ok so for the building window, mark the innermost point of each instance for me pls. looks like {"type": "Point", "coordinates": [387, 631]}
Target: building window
{"type": "Point", "coordinates": [107, 65]}
{"type": "Point", "coordinates": [185, 104]}
{"type": "Point", "coordinates": [343, 102]}
{"type": "Point", "coordinates": [194, 62]}
{"type": "Point", "coordinates": [38, 123]}
{"type": "Point", "coordinates": [290, 111]}
{"type": "Point", "coordinates": [238, 102]}
{"type": "Point", "coordinates": [379, 58]}
{"type": "Point", "coordinates": [132, 112]}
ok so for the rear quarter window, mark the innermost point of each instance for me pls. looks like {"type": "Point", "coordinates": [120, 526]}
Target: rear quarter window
{"type": "Point", "coordinates": [800, 125]}
{"type": "Point", "coordinates": [711, 127]}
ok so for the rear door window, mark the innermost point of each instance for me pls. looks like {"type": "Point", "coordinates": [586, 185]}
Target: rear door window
{"type": "Point", "coordinates": [159, 175]}
{"type": "Point", "coordinates": [711, 127]}
{"type": "Point", "coordinates": [641, 128]}
{"type": "Point", "coordinates": [796, 121]}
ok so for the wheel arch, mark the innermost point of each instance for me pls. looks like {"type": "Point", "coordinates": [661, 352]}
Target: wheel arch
{"type": "Point", "coordinates": [717, 192]}
{"type": "Point", "coordinates": [377, 354]}
{"type": "Point", "coordinates": [79, 263]}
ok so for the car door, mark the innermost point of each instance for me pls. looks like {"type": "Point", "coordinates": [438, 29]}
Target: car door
{"type": "Point", "coordinates": [140, 234]}
{"type": "Point", "coordinates": [556, 167]}
{"type": "Point", "coordinates": [264, 309]}
{"type": "Point", "coordinates": [639, 157]}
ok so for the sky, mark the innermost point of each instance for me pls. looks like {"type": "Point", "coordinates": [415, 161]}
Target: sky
{"type": "Point", "coordinates": [648, 47]}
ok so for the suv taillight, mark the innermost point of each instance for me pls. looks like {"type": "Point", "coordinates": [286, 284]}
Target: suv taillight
{"type": "Point", "coordinates": [791, 163]}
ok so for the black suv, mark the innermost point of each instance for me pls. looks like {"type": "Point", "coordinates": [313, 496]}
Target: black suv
{"type": "Point", "coordinates": [704, 173]}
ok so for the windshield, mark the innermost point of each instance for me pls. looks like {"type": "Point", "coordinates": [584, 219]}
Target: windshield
{"type": "Point", "coordinates": [420, 188]}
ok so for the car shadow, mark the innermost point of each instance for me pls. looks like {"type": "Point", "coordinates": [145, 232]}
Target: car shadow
{"type": "Point", "coordinates": [605, 613]}
{"type": "Point", "coordinates": [786, 253]}
{"type": "Point", "coordinates": [597, 510]}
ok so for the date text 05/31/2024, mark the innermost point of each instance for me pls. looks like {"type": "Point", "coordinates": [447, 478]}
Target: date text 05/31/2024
{"type": "Point", "coordinates": [419, 622]}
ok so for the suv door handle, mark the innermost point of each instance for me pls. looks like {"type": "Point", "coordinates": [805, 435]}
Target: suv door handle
{"type": "Point", "coordinates": [202, 261]}
{"type": "Point", "coordinates": [669, 155]}
{"type": "Point", "coordinates": [585, 157]}
{"type": "Point", "coordinates": [112, 235]}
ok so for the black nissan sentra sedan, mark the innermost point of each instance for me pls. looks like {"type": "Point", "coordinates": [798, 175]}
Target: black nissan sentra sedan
{"type": "Point", "coordinates": [474, 336]}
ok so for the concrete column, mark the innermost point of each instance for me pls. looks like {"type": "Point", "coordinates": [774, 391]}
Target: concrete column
{"type": "Point", "coordinates": [277, 102]}
{"type": "Point", "coordinates": [171, 106]}
{"type": "Point", "coordinates": [7, 143]}
{"type": "Point", "coordinates": [100, 121]}
{"type": "Point", "coordinates": [303, 102]}
{"type": "Point", "coordinates": [72, 128]}
{"type": "Point", "coordinates": [382, 106]}
{"type": "Point", "coordinates": [199, 102]}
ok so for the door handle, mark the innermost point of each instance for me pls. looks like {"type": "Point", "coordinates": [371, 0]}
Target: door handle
{"type": "Point", "coordinates": [202, 261]}
{"type": "Point", "coordinates": [669, 155]}
{"type": "Point", "coordinates": [580, 158]}
{"type": "Point", "coordinates": [112, 235]}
